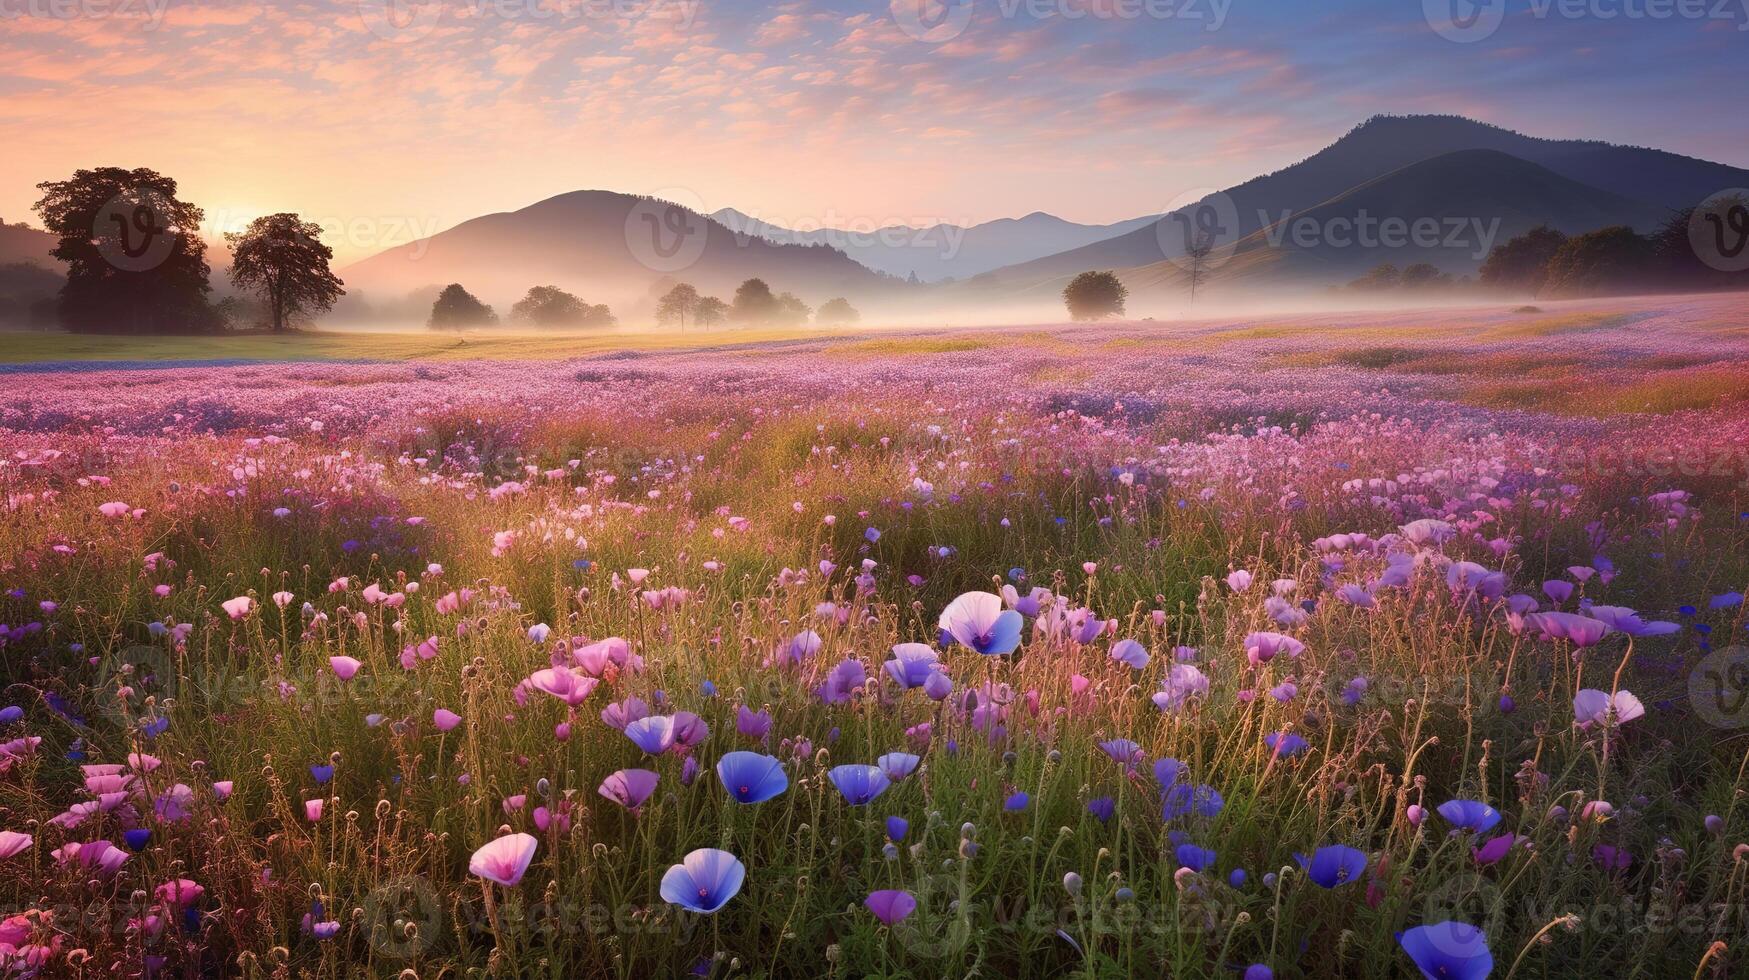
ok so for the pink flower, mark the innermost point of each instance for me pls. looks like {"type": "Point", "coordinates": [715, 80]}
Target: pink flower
{"type": "Point", "coordinates": [345, 668]}
{"type": "Point", "coordinates": [282, 599]}
{"type": "Point", "coordinates": [113, 509]}
{"type": "Point", "coordinates": [1594, 707]}
{"type": "Point", "coordinates": [13, 843]}
{"type": "Point", "coordinates": [505, 860]}
{"type": "Point", "coordinates": [445, 719]}
{"type": "Point", "coordinates": [239, 607]}
{"type": "Point", "coordinates": [180, 892]}
{"type": "Point", "coordinates": [313, 809]}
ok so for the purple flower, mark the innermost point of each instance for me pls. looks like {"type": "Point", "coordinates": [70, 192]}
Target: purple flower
{"type": "Point", "coordinates": [629, 787]}
{"type": "Point", "coordinates": [978, 621]}
{"type": "Point", "coordinates": [897, 827]}
{"type": "Point", "coordinates": [1594, 707]}
{"type": "Point", "coordinates": [890, 906]}
{"type": "Point", "coordinates": [1201, 800]}
{"type": "Point", "coordinates": [1102, 808]}
{"type": "Point", "coordinates": [1195, 858]}
{"type": "Point", "coordinates": [1183, 682]}
{"type": "Point", "coordinates": [654, 734]}
{"type": "Point", "coordinates": [1448, 951]}
{"type": "Point", "coordinates": [1016, 802]}
{"type": "Point", "coordinates": [842, 682]}
{"type": "Point", "coordinates": [1285, 744]}
{"type": "Point", "coordinates": [753, 724]}
{"type": "Point", "coordinates": [912, 664]}
{"type": "Point", "coordinates": [897, 765]}
{"type": "Point", "coordinates": [1337, 864]}
{"type": "Point", "coordinates": [1130, 652]}
{"type": "Point", "coordinates": [1470, 815]}
{"type": "Point", "coordinates": [1581, 631]}
{"type": "Point", "coordinates": [1494, 849]}
{"type": "Point", "coordinates": [1261, 648]}
{"type": "Point", "coordinates": [704, 881]}
{"type": "Point", "coordinates": [1625, 620]}
{"type": "Point", "coordinates": [1121, 750]}
{"type": "Point", "coordinates": [750, 777]}
{"type": "Point", "coordinates": [859, 784]}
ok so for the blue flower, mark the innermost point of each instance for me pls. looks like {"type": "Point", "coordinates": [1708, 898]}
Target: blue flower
{"type": "Point", "coordinates": [1201, 800]}
{"type": "Point", "coordinates": [1334, 865]}
{"type": "Point", "coordinates": [1448, 951]}
{"type": "Point", "coordinates": [859, 784]}
{"type": "Point", "coordinates": [1470, 815]}
{"type": "Point", "coordinates": [750, 777]}
{"type": "Point", "coordinates": [704, 881]}
{"type": "Point", "coordinates": [897, 827]}
{"type": "Point", "coordinates": [1193, 857]}
{"type": "Point", "coordinates": [1285, 744]}
{"type": "Point", "coordinates": [1016, 802]}
{"type": "Point", "coordinates": [322, 773]}
{"type": "Point", "coordinates": [1102, 807]}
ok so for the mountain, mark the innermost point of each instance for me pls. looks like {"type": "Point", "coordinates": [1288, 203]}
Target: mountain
{"type": "Point", "coordinates": [1653, 181]}
{"type": "Point", "coordinates": [22, 243]}
{"type": "Point", "coordinates": [607, 248]}
{"type": "Point", "coordinates": [942, 251]}
{"type": "Point", "coordinates": [1468, 201]}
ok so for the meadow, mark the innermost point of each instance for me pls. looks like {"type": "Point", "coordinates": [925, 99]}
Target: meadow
{"type": "Point", "coordinates": [1376, 645]}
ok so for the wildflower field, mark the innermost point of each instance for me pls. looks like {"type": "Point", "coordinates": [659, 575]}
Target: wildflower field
{"type": "Point", "coordinates": [1379, 645]}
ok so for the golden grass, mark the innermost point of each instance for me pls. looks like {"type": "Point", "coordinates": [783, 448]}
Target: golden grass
{"type": "Point", "coordinates": [1553, 326]}
{"type": "Point", "coordinates": [887, 347]}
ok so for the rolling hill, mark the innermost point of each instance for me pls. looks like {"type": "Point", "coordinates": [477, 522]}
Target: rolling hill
{"type": "Point", "coordinates": [943, 251]}
{"type": "Point", "coordinates": [608, 248]}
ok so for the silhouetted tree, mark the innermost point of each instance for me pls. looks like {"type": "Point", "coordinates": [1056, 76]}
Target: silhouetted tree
{"type": "Point", "coordinates": [281, 258]}
{"type": "Point", "coordinates": [550, 306]}
{"type": "Point", "coordinates": [1380, 277]}
{"type": "Point", "coordinates": [1611, 259]}
{"type": "Point", "coordinates": [754, 303]}
{"type": "Point", "coordinates": [1521, 263]}
{"type": "Point", "coordinates": [1094, 296]}
{"type": "Point", "coordinates": [135, 260]}
{"type": "Point", "coordinates": [836, 312]}
{"type": "Point", "coordinates": [1423, 275]}
{"type": "Point", "coordinates": [457, 309]}
{"type": "Point", "coordinates": [677, 304]}
{"type": "Point", "coordinates": [791, 311]}
{"type": "Point", "coordinates": [710, 311]}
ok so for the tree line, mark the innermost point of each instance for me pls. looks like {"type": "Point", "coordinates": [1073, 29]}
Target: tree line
{"type": "Point", "coordinates": [136, 263]}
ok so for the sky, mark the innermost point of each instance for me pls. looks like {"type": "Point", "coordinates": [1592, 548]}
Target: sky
{"type": "Point", "coordinates": [389, 120]}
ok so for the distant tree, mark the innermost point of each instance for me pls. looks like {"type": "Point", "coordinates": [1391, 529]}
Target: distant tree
{"type": "Point", "coordinates": [677, 304]}
{"type": "Point", "coordinates": [457, 309]}
{"type": "Point", "coordinates": [1521, 264]}
{"type": "Point", "coordinates": [1611, 259]}
{"type": "Point", "coordinates": [1094, 296]}
{"type": "Point", "coordinates": [597, 316]}
{"type": "Point", "coordinates": [27, 295]}
{"type": "Point", "coordinates": [281, 258]}
{"type": "Point", "coordinates": [754, 303]}
{"type": "Point", "coordinates": [836, 312]}
{"type": "Point", "coordinates": [1722, 228]}
{"type": "Point", "coordinates": [791, 311]}
{"type": "Point", "coordinates": [1423, 275]}
{"type": "Point", "coordinates": [1380, 277]}
{"type": "Point", "coordinates": [549, 306]}
{"type": "Point", "coordinates": [710, 311]}
{"type": "Point", "coordinates": [136, 263]}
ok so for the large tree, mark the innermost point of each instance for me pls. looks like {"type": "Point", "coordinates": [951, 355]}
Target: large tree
{"type": "Point", "coordinates": [550, 306]}
{"type": "Point", "coordinates": [136, 263]}
{"type": "Point", "coordinates": [710, 311]}
{"type": "Point", "coordinates": [1521, 264]}
{"type": "Point", "coordinates": [458, 309]}
{"type": "Point", "coordinates": [836, 312]}
{"type": "Point", "coordinates": [281, 258]}
{"type": "Point", "coordinates": [1094, 296]}
{"type": "Point", "coordinates": [1609, 260]}
{"type": "Point", "coordinates": [677, 304]}
{"type": "Point", "coordinates": [754, 302]}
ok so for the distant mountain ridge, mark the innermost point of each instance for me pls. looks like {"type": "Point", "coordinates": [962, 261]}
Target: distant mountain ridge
{"type": "Point", "coordinates": [941, 251]}
{"type": "Point", "coordinates": [608, 248]}
{"type": "Point", "coordinates": [1652, 182]}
